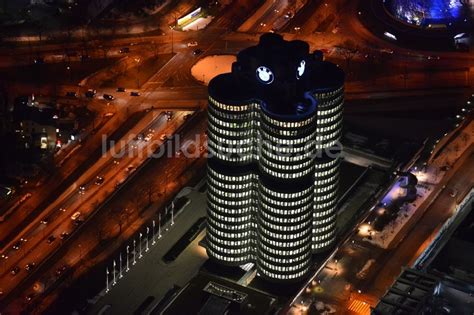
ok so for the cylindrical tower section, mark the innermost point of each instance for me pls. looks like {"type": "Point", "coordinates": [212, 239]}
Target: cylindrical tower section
{"type": "Point", "coordinates": [231, 178]}
{"type": "Point", "coordinates": [284, 232]}
{"type": "Point", "coordinates": [327, 162]}
{"type": "Point", "coordinates": [286, 193]}
{"type": "Point", "coordinates": [229, 204]}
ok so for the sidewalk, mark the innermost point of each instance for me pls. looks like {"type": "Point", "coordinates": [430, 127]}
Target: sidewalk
{"type": "Point", "coordinates": [151, 276]}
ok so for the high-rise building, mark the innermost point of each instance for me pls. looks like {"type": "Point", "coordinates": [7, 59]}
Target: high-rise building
{"type": "Point", "coordinates": [272, 183]}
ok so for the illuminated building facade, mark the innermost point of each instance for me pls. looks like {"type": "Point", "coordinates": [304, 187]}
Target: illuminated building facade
{"type": "Point", "coordinates": [272, 185]}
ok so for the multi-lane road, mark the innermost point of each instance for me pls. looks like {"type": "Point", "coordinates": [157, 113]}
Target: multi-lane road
{"type": "Point", "coordinates": [46, 233]}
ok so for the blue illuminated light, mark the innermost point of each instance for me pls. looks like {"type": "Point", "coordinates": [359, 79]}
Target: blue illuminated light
{"type": "Point", "coordinates": [423, 12]}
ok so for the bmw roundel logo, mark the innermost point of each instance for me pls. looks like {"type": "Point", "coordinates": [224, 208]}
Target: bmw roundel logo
{"type": "Point", "coordinates": [265, 75]}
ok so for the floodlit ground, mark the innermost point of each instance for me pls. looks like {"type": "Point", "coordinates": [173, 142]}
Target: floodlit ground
{"type": "Point", "coordinates": [209, 67]}
{"type": "Point", "coordinates": [199, 24]}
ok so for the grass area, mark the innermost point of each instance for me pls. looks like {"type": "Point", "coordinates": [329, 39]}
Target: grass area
{"type": "Point", "coordinates": [54, 73]}
{"type": "Point", "coordinates": [135, 77]}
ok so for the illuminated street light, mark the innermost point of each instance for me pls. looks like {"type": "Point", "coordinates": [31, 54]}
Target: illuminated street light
{"type": "Point", "coordinates": [113, 273]}
{"type": "Point", "coordinates": [107, 280]}
{"type": "Point", "coordinates": [128, 252]}
{"type": "Point", "coordinates": [153, 242]}
{"type": "Point", "coordinates": [120, 266]}
{"type": "Point", "coordinates": [140, 246]}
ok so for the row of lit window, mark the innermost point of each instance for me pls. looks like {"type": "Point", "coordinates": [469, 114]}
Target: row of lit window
{"type": "Point", "coordinates": [229, 227]}
{"type": "Point", "coordinates": [286, 124]}
{"type": "Point", "coordinates": [298, 132]}
{"type": "Point", "coordinates": [230, 194]}
{"type": "Point", "coordinates": [293, 141]}
{"type": "Point", "coordinates": [286, 195]}
{"type": "Point", "coordinates": [232, 129]}
{"type": "Point", "coordinates": [326, 204]}
{"type": "Point", "coordinates": [280, 259]}
{"type": "Point", "coordinates": [232, 117]}
{"type": "Point", "coordinates": [293, 244]}
{"type": "Point", "coordinates": [236, 178]}
{"type": "Point", "coordinates": [285, 227]}
{"type": "Point", "coordinates": [320, 165]}
{"type": "Point", "coordinates": [229, 211]}
{"type": "Point", "coordinates": [281, 276]}
{"type": "Point", "coordinates": [221, 241]}
{"type": "Point", "coordinates": [322, 190]}
{"type": "Point", "coordinates": [232, 107]}
{"type": "Point", "coordinates": [227, 258]}
{"type": "Point", "coordinates": [231, 251]}
{"type": "Point", "coordinates": [230, 125]}
{"type": "Point", "coordinates": [320, 182]}
{"type": "Point", "coordinates": [330, 111]}
{"type": "Point", "coordinates": [287, 167]}
{"type": "Point", "coordinates": [326, 196]}
{"type": "Point", "coordinates": [287, 203]}
{"type": "Point", "coordinates": [279, 252]}
{"type": "Point", "coordinates": [328, 225]}
{"type": "Point", "coordinates": [303, 212]}
{"type": "Point", "coordinates": [331, 103]}
{"type": "Point", "coordinates": [262, 262]}
{"type": "Point", "coordinates": [321, 95]}
{"type": "Point", "coordinates": [226, 218]}
{"type": "Point", "coordinates": [285, 175]}
{"type": "Point", "coordinates": [285, 157]}
{"type": "Point", "coordinates": [283, 236]}
{"type": "Point", "coordinates": [319, 214]}
{"type": "Point", "coordinates": [329, 119]}
{"type": "Point", "coordinates": [239, 203]}
{"type": "Point", "coordinates": [323, 131]}
{"type": "Point", "coordinates": [239, 187]}
{"type": "Point", "coordinates": [319, 245]}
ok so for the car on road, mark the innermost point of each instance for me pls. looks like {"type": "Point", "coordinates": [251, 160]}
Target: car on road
{"type": "Point", "coordinates": [64, 235]}
{"type": "Point", "coordinates": [76, 215]}
{"type": "Point", "coordinates": [186, 116]}
{"type": "Point", "coordinates": [163, 137]}
{"type": "Point", "coordinates": [61, 270]}
{"type": "Point", "coordinates": [387, 51]}
{"type": "Point", "coordinates": [30, 266]}
{"type": "Point", "coordinates": [18, 244]}
{"type": "Point", "coordinates": [139, 137]}
{"type": "Point", "coordinates": [148, 136]}
{"type": "Point", "coordinates": [62, 209]}
{"type": "Point", "coordinates": [15, 270]}
{"type": "Point", "coordinates": [51, 239]}
{"type": "Point", "coordinates": [108, 97]}
{"type": "Point", "coordinates": [130, 169]}
{"type": "Point", "coordinates": [38, 61]}
{"type": "Point", "coordinates": [124, 50]}
{"type": "Point", "coordinates": [82, 190]}
{"type": "Point", "coordinates": [192, 44]}
{"type": "Point", "coordinates": [169, 115]}
{"type": "Point", "coordinates": [29, 297]}
{"type": "Point", "coordinates": [453, 193]}
{"type": "Point", "coordinates": [99, 180]}
{"type": "Point", "coordinates": [45, 220]}
{"type": "Point", "coordinates": [71, 94]}
{"type": "Point", "coordinates": [120, 89]}
{"type": "Point", "coordinates": [78, 222]}
{"type": "Point", "coordinates": [134, 93]}
{"type": "Point", "coordinates": [90, 93]}
{"type": "Point", "coordinates": [197, 52]}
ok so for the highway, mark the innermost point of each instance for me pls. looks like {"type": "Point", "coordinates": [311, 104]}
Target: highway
{"type": "Point", "coordinates": [113, 167]}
